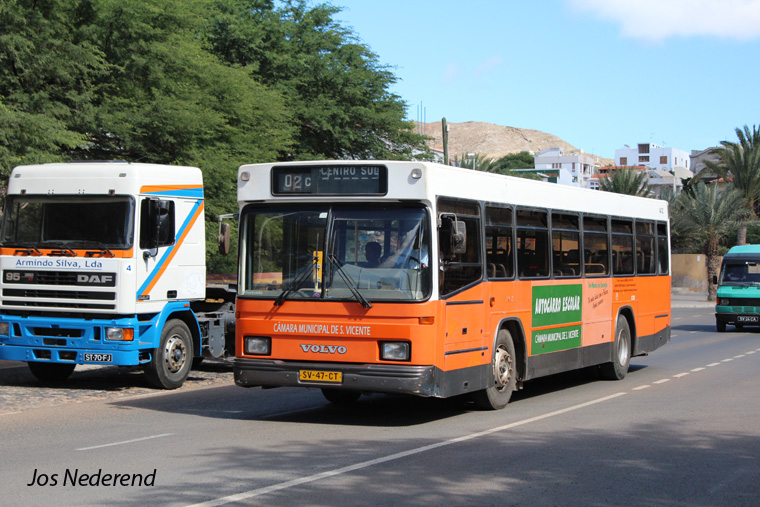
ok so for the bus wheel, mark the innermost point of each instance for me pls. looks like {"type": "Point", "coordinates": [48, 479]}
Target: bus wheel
{"type": "Point", "coordinates": [51, 372]}
{"type": "Point", "coordinates": [721, 326]}
{"type": "Point", "coordinates": [172, 360]}
{"type": "Point", "coordinates": [504, 375]}
{"type": "Point", "coordinates": [621, 357]}
{"type": "Point", "coordinates": [340, 396]}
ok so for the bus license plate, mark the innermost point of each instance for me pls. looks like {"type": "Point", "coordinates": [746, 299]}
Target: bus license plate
{"type": "Point", "coordinates": [98, 358]}
{"type": "Point", "coordinates": [748, 318]}
{"type": "Point", "coordinates": [320, 376]}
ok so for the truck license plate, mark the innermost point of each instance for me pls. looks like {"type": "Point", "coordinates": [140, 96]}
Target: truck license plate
{"type": "Point", "coordinates": [98, 358]}
{"type": "Point", "coordinates": [320, 376]}
{"type": "Point", "coordinates": [747, 318]}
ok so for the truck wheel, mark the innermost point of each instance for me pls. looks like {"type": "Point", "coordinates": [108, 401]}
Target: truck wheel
{"type": "Point", "coordinates": [173, 359]}
{"type": "Point", "coordinates": [340, 396]}
{"type": "Point", "coordinates": [503, 375]}
{"type": "Point", "coordinates": [51, 372]}
{"type": "Point", "coordinates": [621, 357]}
{"type": "Point", "coordinates": [721, 326]}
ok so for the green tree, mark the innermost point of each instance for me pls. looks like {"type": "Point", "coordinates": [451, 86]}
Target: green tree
{"type": "Point", "coordinates": [707, 216]}
{"type": "Point", "coordinates": [522, 160]}
{"type": "Point", "coordinates": [625, 180]}
{"type": "Point", "coordinates": [739, 163]}
{"type": "Point", "coordinates": [334, 85]}
{"type": "Point", "coordinates": [476, 161]}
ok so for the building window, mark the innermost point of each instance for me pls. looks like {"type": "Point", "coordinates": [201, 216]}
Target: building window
{"type": "Point", "coordinates": [644, 158]}
{"type": "Point", "coordinates": [643, 148]}
{"type": "Point", "coordinates": [623, 160]}
{"type": "Point", "coordinates": [664, 160]}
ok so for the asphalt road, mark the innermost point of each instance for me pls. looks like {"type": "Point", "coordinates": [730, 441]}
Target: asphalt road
{"type": "Point", "coordinates": [681, 429]}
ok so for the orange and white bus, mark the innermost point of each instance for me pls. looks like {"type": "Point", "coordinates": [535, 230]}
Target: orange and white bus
{"type": "Point", "coordinates": [414, 277]}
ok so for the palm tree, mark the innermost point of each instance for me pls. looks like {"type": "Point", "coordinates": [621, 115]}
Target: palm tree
{"type": "Point", "coordinates": [626, 180]}
{"type": "Point", "coordinates": [478, 161]}
{"type": "Point", "coordinates": [739, 163]}
{"type": "Point", "coordinates": [708, 216]}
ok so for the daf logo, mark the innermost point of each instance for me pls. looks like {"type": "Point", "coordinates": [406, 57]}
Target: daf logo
{"type": "Point", "coordinates": [323, 349]}
{"type": "Point", "coordinates": [95, 279]}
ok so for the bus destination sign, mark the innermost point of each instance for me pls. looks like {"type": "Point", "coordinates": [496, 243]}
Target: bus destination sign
{"type": "Point", "coordinates": [330, 180]}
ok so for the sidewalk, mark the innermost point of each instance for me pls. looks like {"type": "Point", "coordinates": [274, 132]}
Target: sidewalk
{"type": "Point", "coordinates": [684, 299]}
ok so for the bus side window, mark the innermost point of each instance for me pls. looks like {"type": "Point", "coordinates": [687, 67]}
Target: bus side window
{"type": "Point", "coordinates": [595, 246]}
{"type": "Point", "coordinates": [499, 249]}
{"type": "Point", "coordinates": [463, 267]}
{"type": "Point", "coordinates": [622, 247]}
{"type": "Point", "coordinates": [532, 243]}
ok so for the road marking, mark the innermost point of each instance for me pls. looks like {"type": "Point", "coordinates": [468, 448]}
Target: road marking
{"type": "Point", "coordinates": [125, 442]}
{"type": "Point", "coordinates": [750, 352]}
{"type": "Point", "coordinates": [727, 360]}
{"type": "Point", "coordinates": [681, 374]}
{"type": "Point", "coordinates": [713, 364]}
{"type": "Point", "coordinates": [698, 369]}
{"type": "Point", "coordinates": [662, 381]}
{"type": "Point", "coordinates": [641, 387]}
{"type": "Point", "coordinates": [242, 497]}
{"type": "Point", "coordinates": [739, 356]}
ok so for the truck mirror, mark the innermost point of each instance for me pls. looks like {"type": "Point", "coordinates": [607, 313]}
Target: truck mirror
{"type": "Point", "coordinates": [224, 238]}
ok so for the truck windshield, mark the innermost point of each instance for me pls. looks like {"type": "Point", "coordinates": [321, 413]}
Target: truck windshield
{"type": "Point", "coordinates": [740, 273]}
{"type": "Point", "coordinates": [68, 222]}
{"type": "Point", "coordinates": [363, 254]}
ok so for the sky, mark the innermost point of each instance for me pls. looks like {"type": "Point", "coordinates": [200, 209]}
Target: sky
{"type": "Point", "coordinates": [599, 74]}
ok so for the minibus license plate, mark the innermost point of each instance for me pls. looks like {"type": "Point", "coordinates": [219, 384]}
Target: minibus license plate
{"type": "Point", "coordinates": [320, 376]}
{"type": "Point", "coordinates": [98, 358]}
{"type": "Point", "coordinates": [747, 318]}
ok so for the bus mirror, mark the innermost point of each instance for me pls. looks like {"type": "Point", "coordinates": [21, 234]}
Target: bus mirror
{"type": "Point", "coordinates": [453, 236]}
{"type": "Point", "coordinates": [224, 238]}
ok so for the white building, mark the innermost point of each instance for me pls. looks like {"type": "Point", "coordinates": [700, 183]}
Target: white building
{"type": "Point", "coordinates": [655, 157]}
{"type": "Point", "coordinates": [579, 166]}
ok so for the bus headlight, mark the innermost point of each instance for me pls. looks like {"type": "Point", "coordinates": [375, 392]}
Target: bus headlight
{"type": "Point", "coordinates": [258, 345]}
{"type": "Point", "coordinates": [395, 351]}
{"type": "Point", "coordinates": [119, 334]}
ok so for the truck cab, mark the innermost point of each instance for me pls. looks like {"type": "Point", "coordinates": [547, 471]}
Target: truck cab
{"type": "Point", "coordinates": [104, 263]}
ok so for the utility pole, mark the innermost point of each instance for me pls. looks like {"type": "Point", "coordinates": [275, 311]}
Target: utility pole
{"type": "Point", "coordinates": [445, 128]}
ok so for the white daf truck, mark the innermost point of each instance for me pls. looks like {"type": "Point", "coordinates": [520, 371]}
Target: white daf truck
{"type": "Point", "coordinates": [104, 263]}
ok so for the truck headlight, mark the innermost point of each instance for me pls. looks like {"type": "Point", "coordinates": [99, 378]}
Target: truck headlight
{"type": "Point", "coordinates": [724, 302]}
{"type": "Point", "coordinates": [395, 351]}
{"type": "Point", "coordinates": [258, 345]}
{"type": "Point", "coordinates": [119, 334]}
{"type": "Point", "coordinates": [5, 329]}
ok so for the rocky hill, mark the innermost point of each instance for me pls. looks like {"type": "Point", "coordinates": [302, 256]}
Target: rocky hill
{"type": "Point", "coordinates": [495, 141]}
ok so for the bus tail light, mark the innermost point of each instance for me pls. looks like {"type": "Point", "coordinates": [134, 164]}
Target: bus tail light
{"type": "Point", "coordinates": [258, 345]}
{"type": "Point", "coordinates": [395, 351]}
{"type": "Point", "coordinates": [427, 321]}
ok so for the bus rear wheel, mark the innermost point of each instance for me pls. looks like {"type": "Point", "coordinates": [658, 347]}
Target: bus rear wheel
{"type": "Point", "coordinates": [173, 359]}
{"type": "Point", "coordinates": [51, 372]}
{"type": "Point", "coordinates": [503, 375]}
{"type": "Point", "coordinates": [621, 357]}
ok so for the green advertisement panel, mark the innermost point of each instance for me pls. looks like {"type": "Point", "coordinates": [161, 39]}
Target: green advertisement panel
{"type": "Point", "coordinates": [557, 306]}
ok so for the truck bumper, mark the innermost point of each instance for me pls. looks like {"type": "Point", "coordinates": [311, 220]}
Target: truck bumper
{"type": "Point", "coordinates": [378, 378]}
{"type": "Point", "coordinates": [74, 341]}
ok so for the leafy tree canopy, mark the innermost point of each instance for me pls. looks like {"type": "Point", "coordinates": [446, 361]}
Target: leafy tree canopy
{"type": "Point", "coordinates": [625, 180]}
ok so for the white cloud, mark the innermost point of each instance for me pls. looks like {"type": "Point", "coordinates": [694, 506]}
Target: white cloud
{"type": "Point", "coordinates": [657, 20]}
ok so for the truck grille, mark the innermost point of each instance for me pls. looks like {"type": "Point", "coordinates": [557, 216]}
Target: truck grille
{"type": "Point", "coordinates": [74, 292]}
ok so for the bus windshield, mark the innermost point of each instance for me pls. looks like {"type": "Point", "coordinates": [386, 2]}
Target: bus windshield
{"type": "Point", "coordinates": [361, 253]}
{"type": "Point", "coordinates": [740, 273]}
{"type": "Point", "coordinates": [68, 222]}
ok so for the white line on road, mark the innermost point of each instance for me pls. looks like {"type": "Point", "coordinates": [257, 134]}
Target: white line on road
{"type": "Point", "coordinates": [727, 360]}
{"type": "Point", "coordinates": [698, 369]}
{"type": "Point", "coordinates": [662, 381]}
{"type": "Point", "coordinates": [713, 364]}
{"type": "Point", "coordinates": [641, 387]}
{"type": "Point", "coordinates": [679, 375]}
{"type": "Point", "coordinates": [242, 497]}
{"type": "Point", "coordinates": [125, 442]}
{"type": "Point", "coordinates": [739, 356]}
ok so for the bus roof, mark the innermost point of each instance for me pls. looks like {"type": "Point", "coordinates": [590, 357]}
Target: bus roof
{"type": "Point", "coordinates": [436, 180]}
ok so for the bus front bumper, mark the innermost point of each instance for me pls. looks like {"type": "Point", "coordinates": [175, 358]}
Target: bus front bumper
{"type": "Point", "coordinates": [377, 378]}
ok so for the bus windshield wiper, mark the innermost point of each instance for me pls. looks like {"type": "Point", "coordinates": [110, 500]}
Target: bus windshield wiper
{"type": "Point", "coordinates": [335, 263]}
{"type": "Point", "coordinates": [297, 284]}
{"type": "Point", "coordinates": [28, 249]}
